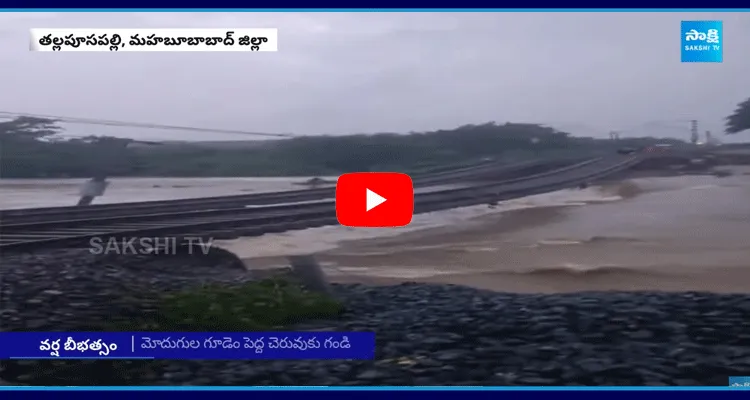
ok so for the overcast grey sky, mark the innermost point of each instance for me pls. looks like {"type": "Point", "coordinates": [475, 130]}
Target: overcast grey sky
{"type": "Point", "coordinates": [338, 73]}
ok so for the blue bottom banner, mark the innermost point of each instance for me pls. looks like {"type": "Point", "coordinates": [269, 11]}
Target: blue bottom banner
{"type": "Point", "coordinates": [379, 393]}
{"type": "Point", "coordinates": [188, 345]}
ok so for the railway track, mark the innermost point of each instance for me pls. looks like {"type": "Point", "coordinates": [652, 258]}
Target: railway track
{"type": "Point", "coordinates": [255, 221]}
{"type": "Point", "coordinates": [226, 206]}
{"type": "Point", "coordinates": [8, 217]}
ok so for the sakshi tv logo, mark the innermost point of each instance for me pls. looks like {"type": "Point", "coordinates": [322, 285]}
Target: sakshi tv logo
{"type": "Point", "coordinates": [702, 41]}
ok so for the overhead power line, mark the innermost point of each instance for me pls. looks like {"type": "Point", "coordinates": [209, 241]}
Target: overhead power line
{"type": "Point", "coordinates": [104, 122]}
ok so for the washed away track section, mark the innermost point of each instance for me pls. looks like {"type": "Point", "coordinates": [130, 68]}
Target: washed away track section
{"type": "Point", "coordinates": [488, 171]}
{"type": "Point", "coordinates": [255, 221]}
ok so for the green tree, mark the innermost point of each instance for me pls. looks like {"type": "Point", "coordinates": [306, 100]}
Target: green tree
{"type": "Point", "coordinates": [740, 120]}
{"type": "Point", "coordinates": [29, 128]}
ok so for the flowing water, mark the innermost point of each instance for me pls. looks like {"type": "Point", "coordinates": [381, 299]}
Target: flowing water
{"type": "Point", "coordinates": [643, 228]}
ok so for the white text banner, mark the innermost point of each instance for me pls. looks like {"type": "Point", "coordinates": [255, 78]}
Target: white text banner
{"type": "Point", "coordinates": [156, 40]}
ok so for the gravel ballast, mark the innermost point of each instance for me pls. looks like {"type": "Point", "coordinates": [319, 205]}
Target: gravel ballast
{"type": "Point", "coordinates": [426, 334]}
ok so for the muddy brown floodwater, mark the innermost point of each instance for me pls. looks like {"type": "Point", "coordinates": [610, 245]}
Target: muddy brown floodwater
{"type": "Point", "coordinates": [678, 233]}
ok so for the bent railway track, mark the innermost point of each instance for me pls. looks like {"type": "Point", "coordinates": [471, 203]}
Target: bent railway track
{"type": "Point", "coordinates": [255, 221]}
{"type": "Point", "coordinates": [499, 171]}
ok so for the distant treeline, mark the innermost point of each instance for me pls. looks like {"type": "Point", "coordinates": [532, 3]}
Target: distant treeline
{"type": "Point", "coordinates": [29, 150]}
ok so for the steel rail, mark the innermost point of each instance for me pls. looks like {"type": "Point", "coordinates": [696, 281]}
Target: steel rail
{"type": "Point", "coordinates": [18, 215]}
{"type": "Point", "coordinates": [277, 219]}
{"type": "Point", "coordinates": [153, 216]}
{"type": "Point", "coordinates": [24, 211]}
{"type": "Point", "coordinates": [135, 209]}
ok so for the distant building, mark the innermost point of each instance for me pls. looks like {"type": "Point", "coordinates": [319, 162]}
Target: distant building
{"type": "Point", "coordinates": [712, 140]}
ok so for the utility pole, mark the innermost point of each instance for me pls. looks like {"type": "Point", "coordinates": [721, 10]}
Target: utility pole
{"type": "Point", "coordinates": [110, 153]}
{"type": "Point", "coordinates": [694, 132]}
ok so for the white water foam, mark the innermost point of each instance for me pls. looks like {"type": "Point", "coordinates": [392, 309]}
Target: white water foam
{"type": "Point", "coordinates": [314, 240]}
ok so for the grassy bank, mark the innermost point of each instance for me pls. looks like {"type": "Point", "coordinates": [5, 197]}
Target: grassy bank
{"type": "Point", "coordinates": [254, 306]}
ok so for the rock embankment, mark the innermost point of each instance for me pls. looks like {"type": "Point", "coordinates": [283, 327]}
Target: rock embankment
{"type": "Point", "coordinates": [426, 334]}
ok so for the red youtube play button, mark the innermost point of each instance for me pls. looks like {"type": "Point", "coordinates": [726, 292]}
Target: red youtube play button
{"type": "Point", "coordinates": [374, 199]}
